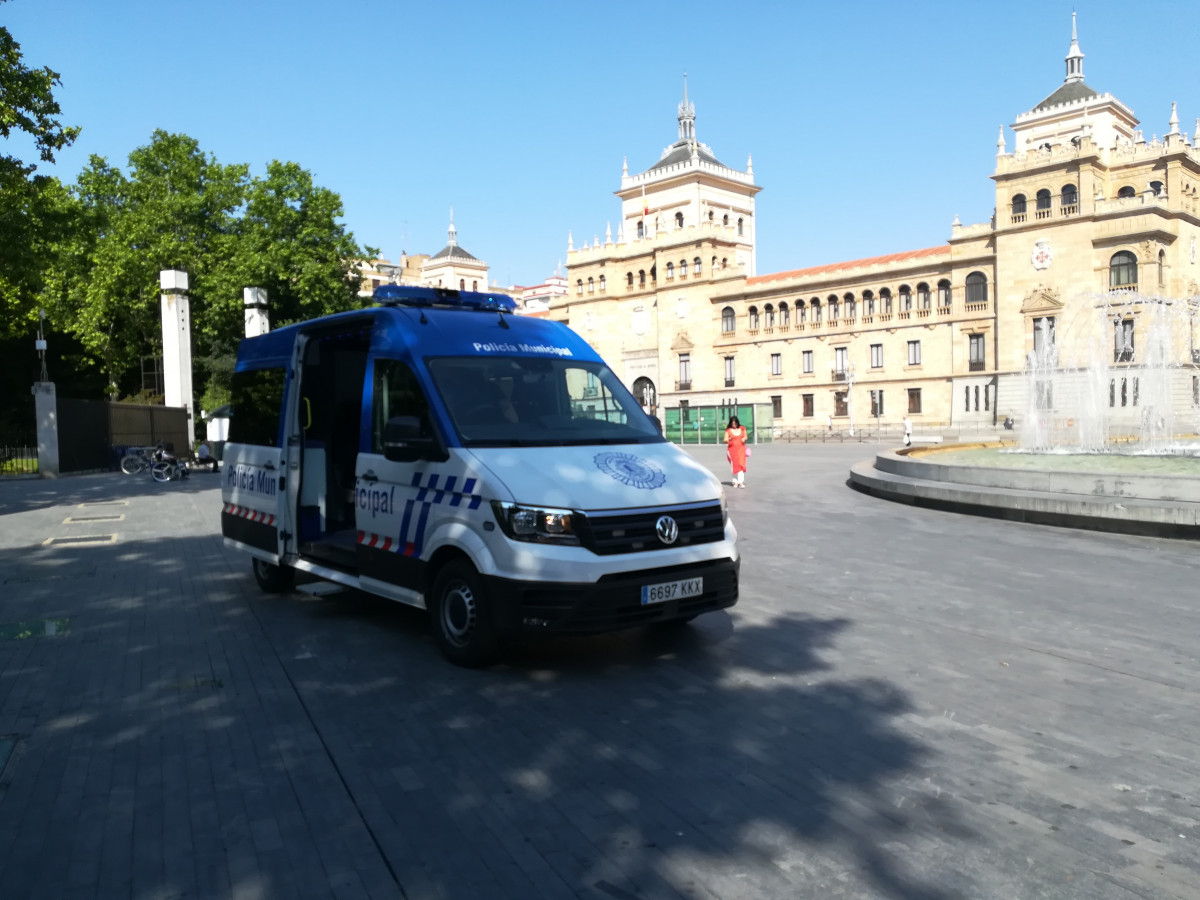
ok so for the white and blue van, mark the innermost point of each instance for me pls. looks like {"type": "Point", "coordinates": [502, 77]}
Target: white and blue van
{"type": "Point", "coordinates": [438, 450]}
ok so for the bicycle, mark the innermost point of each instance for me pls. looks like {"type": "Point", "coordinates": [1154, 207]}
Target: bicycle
{"type": "Point", "coordinates": [135, 460]}
{"type": "Point", "coordinates": [169, 470]}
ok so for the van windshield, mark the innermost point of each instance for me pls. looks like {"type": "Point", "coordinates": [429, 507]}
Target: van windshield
{"type": "Point", "coordinates": [515, 401]}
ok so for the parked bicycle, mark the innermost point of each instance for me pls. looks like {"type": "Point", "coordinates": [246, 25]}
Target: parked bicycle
{"type": "Point", "coordinates": [169, 470]}
{"type": "Point", "coordinates": [136, 460]}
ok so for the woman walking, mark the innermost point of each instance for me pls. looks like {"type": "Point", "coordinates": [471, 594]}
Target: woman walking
{"type": "Point", "coordinates": [735, 442]}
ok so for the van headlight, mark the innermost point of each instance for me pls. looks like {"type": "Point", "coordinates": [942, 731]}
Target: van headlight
{"type": "Point", "coordinates": [536, 524]}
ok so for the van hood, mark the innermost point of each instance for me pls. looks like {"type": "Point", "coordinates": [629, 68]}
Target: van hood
{"type": "Point", "coordinates": [600, 477]}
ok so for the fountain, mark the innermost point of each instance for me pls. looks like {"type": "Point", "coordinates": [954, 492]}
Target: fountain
{"type": "Point", "coordinates": [1090, 389]}
{"type": "Point", "coordinates": [1107, 428]}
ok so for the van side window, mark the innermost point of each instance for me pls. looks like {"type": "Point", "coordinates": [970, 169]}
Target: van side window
{"type": "Point", "coordinates": [397, 393]}
{"type": "Point", "coordinates": [257, 396]}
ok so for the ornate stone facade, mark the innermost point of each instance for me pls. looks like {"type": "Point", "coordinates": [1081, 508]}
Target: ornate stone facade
{"type": "Point", "coordinates": [1085, 205]}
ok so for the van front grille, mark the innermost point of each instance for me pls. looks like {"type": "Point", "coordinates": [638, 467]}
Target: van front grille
{"type": "Point", "coordinates": [636, 532]}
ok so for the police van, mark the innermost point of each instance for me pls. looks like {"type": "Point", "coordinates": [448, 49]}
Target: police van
{"type": "Point", "coordinates": [438, 450]}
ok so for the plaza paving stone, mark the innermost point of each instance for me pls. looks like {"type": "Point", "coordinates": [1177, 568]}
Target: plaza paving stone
{"type": "Point", "coordinates": [905, 703]}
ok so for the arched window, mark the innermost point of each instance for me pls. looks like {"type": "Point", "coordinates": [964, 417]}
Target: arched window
{"type": "Point", "coordinates": [1122, 272]}
{"type": "Point", "coordinates": [943, 293]}
{"type": "Point", "coordinates": [1043, 203]}
{"type": "Point", "coordinates": [1018, 205]}
{"type": "Point", "coordinates": [728, 320]}
{"type": "Point", "coordinates": [905, 298]}
{"type": "Point", "coordinates": [1156, 188]}
{"type": "Point", "coordinates": [591, 286]}
{"type": "Point", "coordinates": [922, 296]}
{"type": "Point", "coordinates": [601, 283]}
{"type": "Point", "coordinates": [678, 220]}
{"type": "Point", "coordinates": [641, 229]}
{"type": "Point", "coordinates": [740, 227]}
{"type": "Point", "coordinates": [714, 264]}
{"type": "Point", "coordinates": [885, 301]}
{"type": "Point", "coordinates": [1162, 268]}
{"type": "Point", "coordinates": [474, 285]}
{"type": "Point", "coordinates": [784, 320]}
{"type": "Point", "coordinates": [641, 277]}
{"type": "Point", "coordinates": [710, 215]}
{"type": "Point", "coordinates": [628, 279]}
{"type": "Point", "coordinates": [868, 303]}
{"type": "Point", "coordinates": [462, 284]}
{"type": "Point", "coordinates": [670, 271]}
{"type": "Point", "coordinates": [1127, 191]}
{"type": "Point", "coordinates": [1070, 196]}
{"type": "Point", "coordinates": [683, 268]}
{"type": "Point", "coordinates": [816, 310]}
{"type": "Point", "coordinates": [725, 220]}
{"type": "Point", "coordinates": [724, 263]}
{"type": "Point", "coordinates": [832, 303]}
{"type": "Point", "coordinates": [801, 312]}
{"type": "Point", "coordinates": [754, 318]}
{"type": "Point", "coordinates": [977, 288]}
{"type": "Point", "coordinates": [696, 266]}
{"type": "Point", "coordinates": [579, 286]}
{"type": "Point", "coordinates": [769, 315]}
{"type": "Point", "coordinates": [851, 306]}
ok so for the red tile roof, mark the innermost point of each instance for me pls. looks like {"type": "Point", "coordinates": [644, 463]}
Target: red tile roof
{"type": "Point", "coordinates": [907, 256]}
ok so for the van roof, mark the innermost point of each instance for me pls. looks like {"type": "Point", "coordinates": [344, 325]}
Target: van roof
{"type": "Point", "coordinates": [430, 327]}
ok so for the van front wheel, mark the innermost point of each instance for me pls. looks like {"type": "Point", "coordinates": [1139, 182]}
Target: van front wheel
{"type": "Point", "coordinates": [462, 625]}
{"type": "Point", "coordinates": [272, 578]}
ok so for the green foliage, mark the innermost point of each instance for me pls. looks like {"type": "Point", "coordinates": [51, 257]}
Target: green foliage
{"type": "Point", "coordinates": [179, 208]}
{"type": "Point", "coordinates": [34, 209]}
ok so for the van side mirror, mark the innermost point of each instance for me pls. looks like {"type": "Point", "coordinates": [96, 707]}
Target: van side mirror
{"type": "Point", "coordinates": [404, 441]}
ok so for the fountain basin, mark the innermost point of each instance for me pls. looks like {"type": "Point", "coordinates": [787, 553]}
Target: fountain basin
{"type": "Point", "coordinates": [1103, 495]}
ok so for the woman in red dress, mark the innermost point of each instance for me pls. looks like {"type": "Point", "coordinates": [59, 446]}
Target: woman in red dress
{"type": "Point", "coordinates": [735, 441]}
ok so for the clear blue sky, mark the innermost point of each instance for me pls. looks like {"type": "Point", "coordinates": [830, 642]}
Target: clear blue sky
{"type": "Point", "coordinates": [871, 124]}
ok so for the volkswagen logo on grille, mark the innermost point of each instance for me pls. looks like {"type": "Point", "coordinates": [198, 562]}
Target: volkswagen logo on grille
{"type": "Point", "coordinates": [666, 529]}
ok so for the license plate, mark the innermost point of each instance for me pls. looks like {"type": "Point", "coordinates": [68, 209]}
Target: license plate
{"type": "Point", "coordinates": [672, 590]}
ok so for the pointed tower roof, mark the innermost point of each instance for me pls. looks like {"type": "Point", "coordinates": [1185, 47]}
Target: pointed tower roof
{"type": "Point", "coordinates": [1073, 87]}
{"type": "Point", "coordinates": [452, 250]}
{"type": "Point", "coordinates": [687, 146]}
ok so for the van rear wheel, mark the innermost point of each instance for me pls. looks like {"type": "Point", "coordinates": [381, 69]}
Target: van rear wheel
{"type": "Point", "coordinates": [272, 578]}
{"type": "Point", "coordinates": [462, 623]}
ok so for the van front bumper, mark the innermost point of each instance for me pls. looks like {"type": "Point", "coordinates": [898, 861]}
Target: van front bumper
{"type": "Point", "coordinates": [610, 604]}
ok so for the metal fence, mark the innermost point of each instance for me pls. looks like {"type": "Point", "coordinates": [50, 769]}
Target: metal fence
{"type": "Point", "coordinates": [18, 459]}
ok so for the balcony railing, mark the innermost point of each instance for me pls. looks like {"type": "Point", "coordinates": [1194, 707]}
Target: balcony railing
{"type": "Point", "coordinates": [683, 385]}
{"type": "Point", "coordinates": [729, 382]}
{"type": "Point", "coordinates": [838, 375]}
{"type": "Point", "coordinates": [977, 365]}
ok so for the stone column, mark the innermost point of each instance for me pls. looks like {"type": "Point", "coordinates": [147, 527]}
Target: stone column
{"type": "Point", "coordinates": [257, 319]}
{"type": "Point", "coordinates": [46, 404]}
{"type": "Point", "coordinates": [177, 346]}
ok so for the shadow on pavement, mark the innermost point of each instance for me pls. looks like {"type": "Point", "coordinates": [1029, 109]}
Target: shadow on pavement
{"type": "Point", "coordinates": [239, 741]}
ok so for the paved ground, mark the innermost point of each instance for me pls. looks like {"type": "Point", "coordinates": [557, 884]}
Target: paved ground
{"type": "Point", "coordinates": [905, 704]}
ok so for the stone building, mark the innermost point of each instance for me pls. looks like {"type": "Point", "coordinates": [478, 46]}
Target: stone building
{"type": "Point", "coordinates": [1095, 229]}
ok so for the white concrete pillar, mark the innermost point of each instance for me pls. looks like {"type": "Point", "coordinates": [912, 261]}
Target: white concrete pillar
{"type": "Point", "coordinates": [46, 406]}
{"type": "Point", "coordinates": [258, 321]}
{"type": "Point", "coordinates": [177, 346]}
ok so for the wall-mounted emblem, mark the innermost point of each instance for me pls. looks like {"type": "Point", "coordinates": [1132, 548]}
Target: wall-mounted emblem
{"type": "Point", "coordinates": [1042, 254]}
{"type": "Point", "coordinates": [631, 470]}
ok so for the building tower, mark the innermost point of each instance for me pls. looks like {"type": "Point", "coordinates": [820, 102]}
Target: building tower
{"type": "Point", "coordinates": [686, 224]}
{"type": "Point", "coordinates": [453, 267]}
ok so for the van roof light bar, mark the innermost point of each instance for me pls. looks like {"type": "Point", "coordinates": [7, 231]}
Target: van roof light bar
{"type": "Point", "coordinates": [409, 295]}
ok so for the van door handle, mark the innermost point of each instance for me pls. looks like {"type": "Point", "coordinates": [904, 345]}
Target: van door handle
{"type": "Point", "coordinates": [369, 476]}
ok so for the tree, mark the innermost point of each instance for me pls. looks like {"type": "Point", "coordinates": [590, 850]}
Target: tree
{"type": "Point", "coordinates": [179, 208]}
{"type": "Point", "coordinates": [33, 208]}
{"type": "Point", "coordinates": [176, 209]}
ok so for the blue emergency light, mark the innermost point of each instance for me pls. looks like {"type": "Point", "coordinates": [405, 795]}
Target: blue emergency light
{"type": "Point", "coordinates": [410, 295]}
